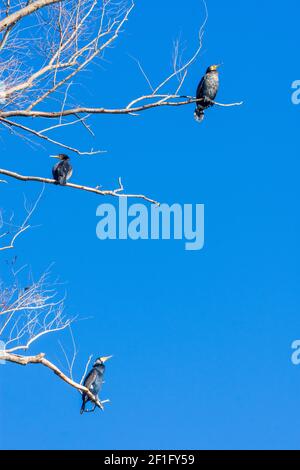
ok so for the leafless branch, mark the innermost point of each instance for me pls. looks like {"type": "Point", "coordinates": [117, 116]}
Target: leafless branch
{"type": "Point", "coordinates": [127, 110]}
{"type": "Point", "coordinates": [75, 33]}
{"type": "Point", "coordinates": [41, 135]}
{"type": "Point", "coordinates": [26, 11]}
{"type": "Point", "coordinates": [28, 314]}
{"type": "Point", "coordinates": [118, 192]}
{"type": "Point", "coordinates": [41, 359]}
{"type": "Point", "coordinates": [12, 231]}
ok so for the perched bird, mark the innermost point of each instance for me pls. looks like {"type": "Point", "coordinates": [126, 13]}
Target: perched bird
{"type": "Point", "coordinates": [93, 381]}
{"type": "Point", "coordinates": [63, 170]}
{"type": "Point", "coordinates": [207, 91]}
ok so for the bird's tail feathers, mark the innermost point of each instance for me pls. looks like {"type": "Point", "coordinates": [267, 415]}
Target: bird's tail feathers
{"type": "Point", "coordinates": [82, 409]}
{"type": "Point", "coordinates": [199, 114]}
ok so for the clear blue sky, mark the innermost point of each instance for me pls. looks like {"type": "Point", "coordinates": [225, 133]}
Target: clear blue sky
{"type": "Point", "coordinates": [201, 340]}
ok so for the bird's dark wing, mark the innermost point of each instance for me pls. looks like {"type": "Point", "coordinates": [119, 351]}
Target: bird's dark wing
{"type": "Point", "coordinates": [90, 379]}
{"type": "Point", "coordinates": [59, 171]}
{"type": "Point", "coordinates": [55, 171]}
{"type": "Point", "coordinates": [68, 170]}
{"type": "Point", "coordinates": [199, 92]}
{"type": "Point", "coordinates": [62, 171]}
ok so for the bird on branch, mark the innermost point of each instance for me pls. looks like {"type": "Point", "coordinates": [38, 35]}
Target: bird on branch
{"type": "Point", "coordinates": [93, 381]}
{"type": "Point", "coordinates": [63, 170]}
{"type": "Point", "coordinates": [207, 91]}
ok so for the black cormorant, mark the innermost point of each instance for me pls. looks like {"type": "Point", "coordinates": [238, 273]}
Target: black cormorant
{"type": "Point", "coordinates": [93, 381]}
{"type": "Point", "coordinates": [207, 91]}
{"type": "Point", "coordinates": [63, 170]}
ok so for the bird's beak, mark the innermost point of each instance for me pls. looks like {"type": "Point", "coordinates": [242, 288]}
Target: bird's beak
{"type": "Point", "coordinates": [218, 65]}
{"type": "Point", "coordinates": [55, 156]}
{"type": "Point", "coordinates": [105, 358]}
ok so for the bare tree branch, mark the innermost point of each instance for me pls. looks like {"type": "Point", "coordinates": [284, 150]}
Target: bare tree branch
{"type": "Point", "coordinates": [41, 359]}
{"type": "Point", "coordinates": [26, 11]}
{"type": "Point", "coordinates": [40, 134]}
{"type": "Point", "coordinates": [76, 32]}
{"type": "Point", "coordinates": [108, 192]}
{"type": "Point", "coordinates": [26, 315]}
{"type": "Point", "coordinates": [12, 231]}
{"type": "Point", "coordinates": [127, 110]}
